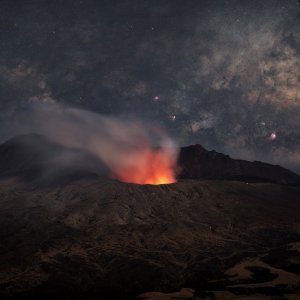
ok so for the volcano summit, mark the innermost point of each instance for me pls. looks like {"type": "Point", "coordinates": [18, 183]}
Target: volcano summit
{"type": "Point", "coordinates": [227, 227]}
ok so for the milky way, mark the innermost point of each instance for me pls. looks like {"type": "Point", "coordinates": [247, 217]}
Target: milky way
{"type": "Point", "coordinates": [224, 74]}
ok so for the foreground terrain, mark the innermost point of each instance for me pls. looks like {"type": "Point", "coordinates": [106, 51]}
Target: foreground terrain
{"type": "Point", "coordinates": [101, 239]}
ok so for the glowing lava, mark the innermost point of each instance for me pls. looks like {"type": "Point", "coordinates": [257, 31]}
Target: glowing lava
{"type": "Point", "coordinates": [148, 166]}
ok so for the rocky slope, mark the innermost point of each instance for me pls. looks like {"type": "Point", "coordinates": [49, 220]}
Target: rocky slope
{"type": "Point", "coordinates": [104, 239]}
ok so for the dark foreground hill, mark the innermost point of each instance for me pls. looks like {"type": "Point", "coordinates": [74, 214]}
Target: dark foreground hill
{"type": "Point", "coordinates": [89, 237]}
{"type": "Point", "coordinates": [101, 239]}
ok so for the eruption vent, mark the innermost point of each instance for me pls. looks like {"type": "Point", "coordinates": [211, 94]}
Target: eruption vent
{"type": "Point", "coordinates": [151, 166]}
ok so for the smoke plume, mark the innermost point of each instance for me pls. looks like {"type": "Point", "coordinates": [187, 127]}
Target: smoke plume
{"type": "Point", "coordinates": [133, 152]}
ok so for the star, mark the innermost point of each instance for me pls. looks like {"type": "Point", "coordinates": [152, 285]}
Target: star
{"type": "Point", "coordinates": [273, 136]}
{"type": "Point", "coordinates": [173, 118]}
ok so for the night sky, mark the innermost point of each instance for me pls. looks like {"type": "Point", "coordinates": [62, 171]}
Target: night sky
{"type": "Point", "coordinates": [224, 74]}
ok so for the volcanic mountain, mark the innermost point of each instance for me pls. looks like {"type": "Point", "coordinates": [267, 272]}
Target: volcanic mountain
{"type": "Point", "coordinates": [227, 228]}
{"type": "Point", "coordinates": [33, 157]}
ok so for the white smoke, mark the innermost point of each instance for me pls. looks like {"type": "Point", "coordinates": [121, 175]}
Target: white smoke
{"type": "Point", "coordinates": [122, 145]}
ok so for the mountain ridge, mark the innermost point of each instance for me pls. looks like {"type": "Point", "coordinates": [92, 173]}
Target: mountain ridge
{"type": "Point", "coordinates": [198, 163]}
{"type": "Point", "coordinates": [34, 156]}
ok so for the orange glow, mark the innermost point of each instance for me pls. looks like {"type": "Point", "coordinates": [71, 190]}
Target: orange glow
{"type": "Point", "coordinates": [148, 166]}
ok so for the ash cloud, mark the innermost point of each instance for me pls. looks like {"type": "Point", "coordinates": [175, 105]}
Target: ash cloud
{"type": "Point", "coordinates": [128, 148]}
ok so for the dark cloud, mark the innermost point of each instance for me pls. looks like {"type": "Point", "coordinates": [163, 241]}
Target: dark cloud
{"type": "Point", "coordinates": [226, 73]}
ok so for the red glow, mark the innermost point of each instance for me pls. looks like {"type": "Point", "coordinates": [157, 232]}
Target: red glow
{"type": "Point", "coordinates": [148, 166]}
